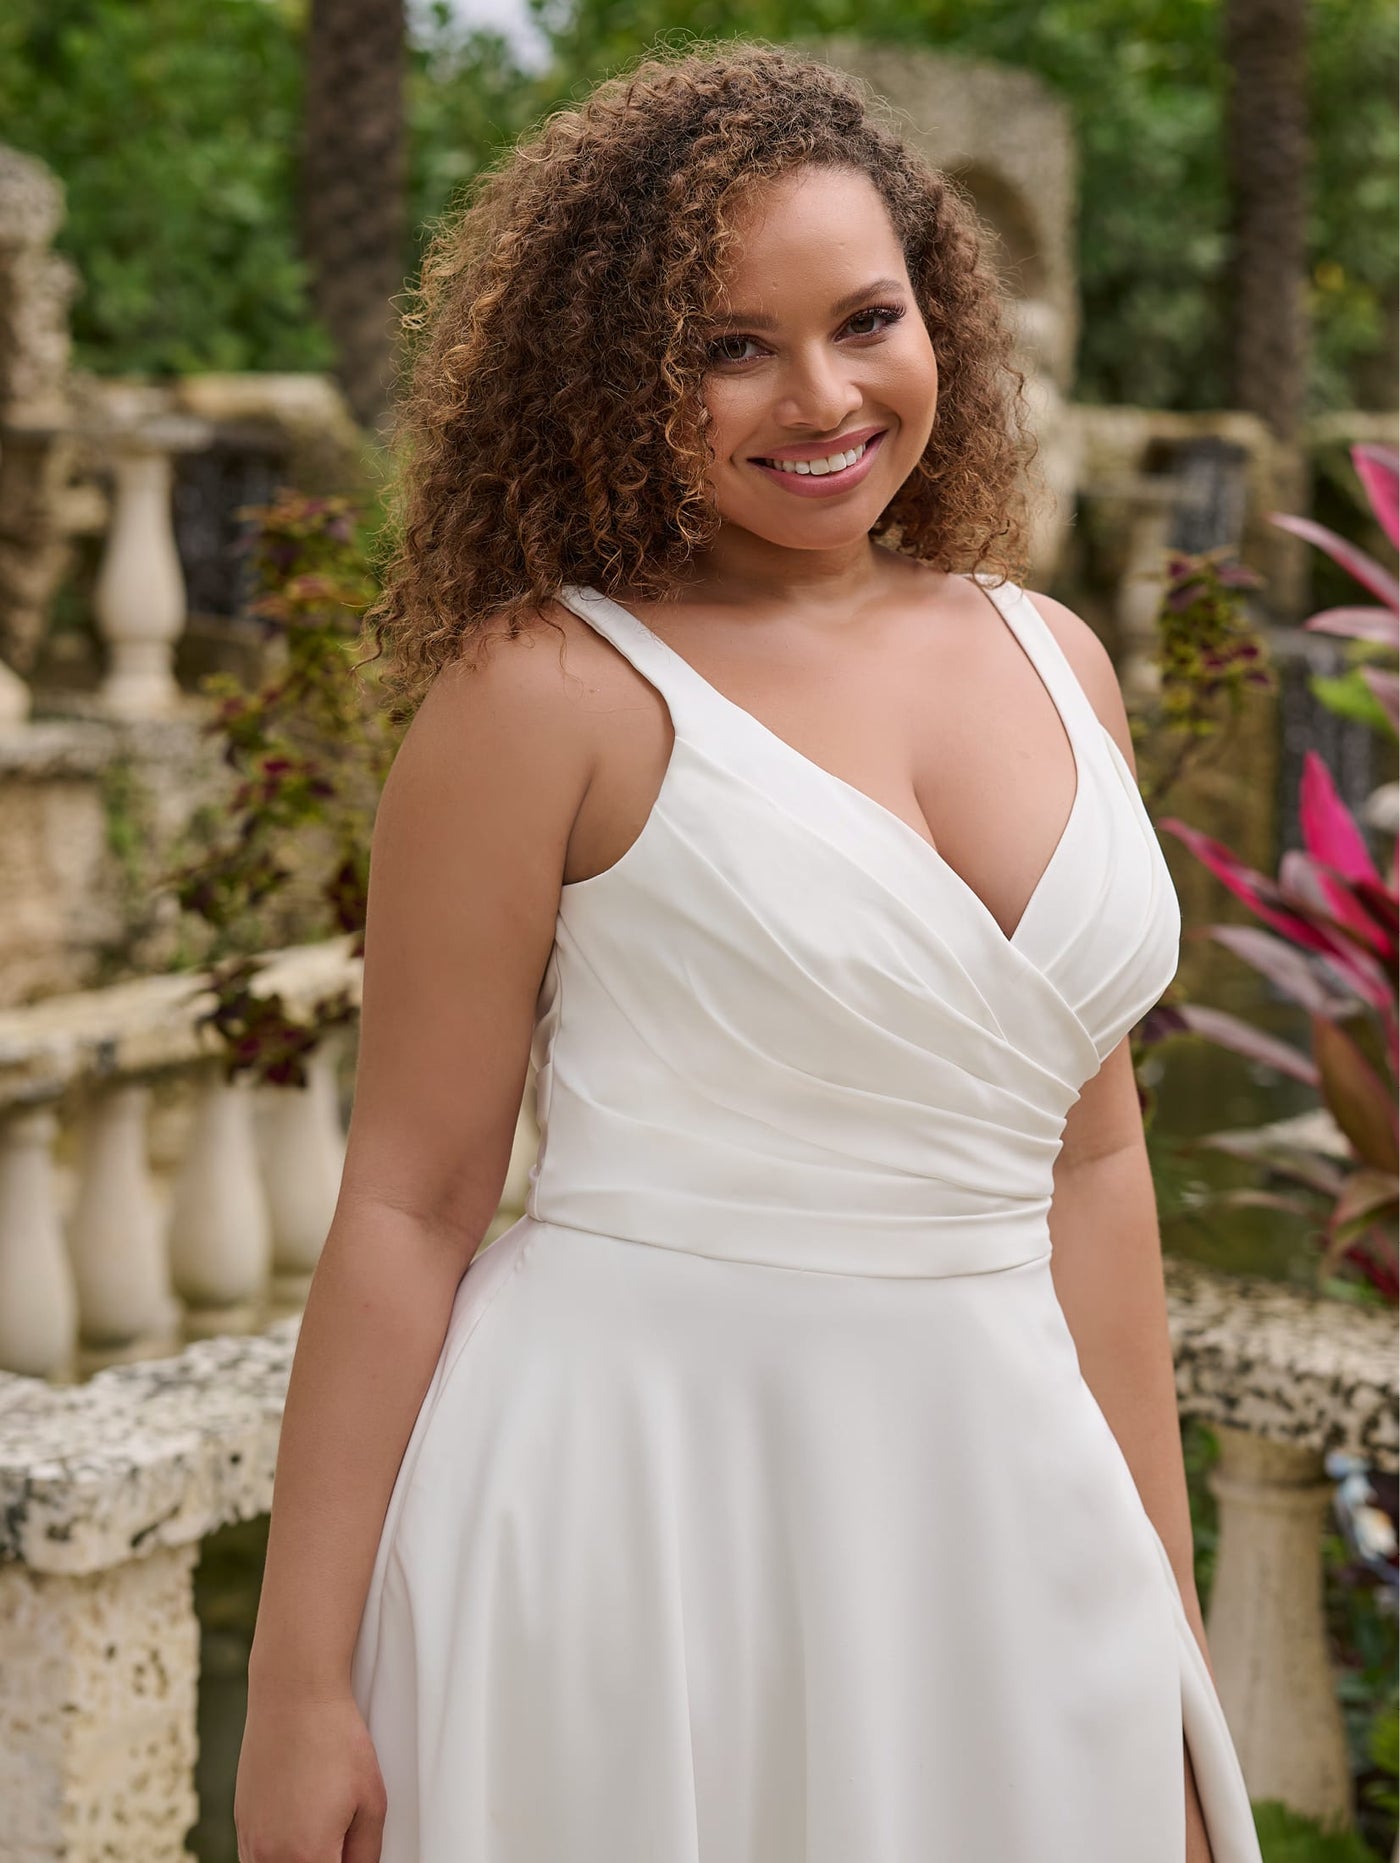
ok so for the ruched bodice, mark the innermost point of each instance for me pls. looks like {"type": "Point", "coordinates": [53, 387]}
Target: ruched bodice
{"type": "Point", "coordinates": [783, 1028]}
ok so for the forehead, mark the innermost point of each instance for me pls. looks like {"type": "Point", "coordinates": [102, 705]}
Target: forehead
{"type": "Point", "coordinates": [807, 230]}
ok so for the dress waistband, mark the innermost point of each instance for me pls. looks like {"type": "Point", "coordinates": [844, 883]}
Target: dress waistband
{"type": "Point", "coordinates": [813, 1241]}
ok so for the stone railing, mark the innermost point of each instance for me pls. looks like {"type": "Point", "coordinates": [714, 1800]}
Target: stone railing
{"type": "Point", "coordinates": [144, 1199]}
{"type": "Point", "coordinates": [170, 1246]}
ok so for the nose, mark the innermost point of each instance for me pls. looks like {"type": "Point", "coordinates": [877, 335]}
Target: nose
{"type": "Point", "coordinates": [819, 391]}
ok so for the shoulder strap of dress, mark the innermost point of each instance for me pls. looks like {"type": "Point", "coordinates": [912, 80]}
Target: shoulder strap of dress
{"type": "Point", "coordinates": [1038, 638]}
{"type": "Point", "coordinates": [672, 676]}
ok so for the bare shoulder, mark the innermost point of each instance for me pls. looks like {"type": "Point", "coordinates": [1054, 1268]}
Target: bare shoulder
{"type": "Point", "coordinates": [1093, 666]}
{"type": "Point", "coordinates": [512, 695]}
{"type": "Point", "coordinates": [466, 865]}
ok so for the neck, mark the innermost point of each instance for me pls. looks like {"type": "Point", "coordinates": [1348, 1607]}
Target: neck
{"type": "Point", "coordinates": [742, 569]}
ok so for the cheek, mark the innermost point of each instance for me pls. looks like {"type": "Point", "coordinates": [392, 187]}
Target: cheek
{"type": "Point", "coordinates": [731, 414]}
{"type": "Point", "coordinates": [913, 375]}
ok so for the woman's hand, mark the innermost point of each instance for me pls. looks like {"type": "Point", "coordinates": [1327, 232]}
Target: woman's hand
{"type": "Point", "coordinates": [309, 1787]}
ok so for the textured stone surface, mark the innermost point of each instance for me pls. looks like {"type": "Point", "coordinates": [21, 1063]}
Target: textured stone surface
{"type": "Point", "coordinates": [149, 1023]}
{"type": "Point", "coordinates": [97, 1712]}
{"type": "Point", "coordinates": [156, 1454]}
{"type": "Point", "coordinates": [1284, 1364]}
{"type": "Point", "coordinates": [69, 899]}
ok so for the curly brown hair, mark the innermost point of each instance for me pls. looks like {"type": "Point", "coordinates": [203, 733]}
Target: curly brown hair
{"type": "Point", "coordinates": [553, 421]}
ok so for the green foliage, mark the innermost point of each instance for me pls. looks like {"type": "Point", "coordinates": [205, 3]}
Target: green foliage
{"type": "Point", "coordinates": [174, 130]}
{"type": "Point", "coordinates": [175, 126]}
{"type": "Point", "coordinates": [1208, 653]}
{"type": "Point", "coordinates": [468, 99]}
{"type": "Point", "coordinates": [286, 858]}
{"type": "Point", "coordinates": [1285, 1837]}
{"type": "Point", "coordinates": [1363, 1638]}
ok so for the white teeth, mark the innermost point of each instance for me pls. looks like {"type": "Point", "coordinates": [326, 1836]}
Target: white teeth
{"type": "Point", "coordinates": [816, 468]}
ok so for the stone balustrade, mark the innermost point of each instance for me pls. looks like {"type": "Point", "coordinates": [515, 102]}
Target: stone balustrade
{"type": "Point", "coordinates": [144, 1198]}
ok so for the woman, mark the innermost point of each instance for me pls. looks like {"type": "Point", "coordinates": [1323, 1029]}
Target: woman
{"type": "Point", "coordinates": [767, 1494]}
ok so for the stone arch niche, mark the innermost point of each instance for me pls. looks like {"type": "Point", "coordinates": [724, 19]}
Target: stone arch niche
{"type": "Point", "coordinates": [1007, 138]}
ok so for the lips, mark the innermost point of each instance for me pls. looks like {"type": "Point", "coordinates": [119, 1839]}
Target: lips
{"type": "Point", "coordinates": [819, 449]}
{"type": "Point", "coordinates": [827, 484]}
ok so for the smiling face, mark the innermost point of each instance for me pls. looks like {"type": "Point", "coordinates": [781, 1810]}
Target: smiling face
{"type": "Point", "coordinates": [822, 383]}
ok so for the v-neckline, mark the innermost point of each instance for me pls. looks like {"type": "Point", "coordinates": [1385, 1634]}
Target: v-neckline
{"type": "Point", "coordinates": [878, 810]}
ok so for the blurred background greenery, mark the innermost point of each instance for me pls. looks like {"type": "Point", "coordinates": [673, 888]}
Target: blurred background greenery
{"type": "Point", "coordinates": [176, 130]}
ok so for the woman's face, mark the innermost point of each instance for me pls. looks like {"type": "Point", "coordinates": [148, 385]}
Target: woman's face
{"type": "Point", "coordinates": [820, 352]}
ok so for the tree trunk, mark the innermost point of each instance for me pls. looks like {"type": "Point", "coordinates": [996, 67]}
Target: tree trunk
{"type": "Point", "coordinates": [1267, 164]}
{"type": "Point", "coordinates": [353, 188]}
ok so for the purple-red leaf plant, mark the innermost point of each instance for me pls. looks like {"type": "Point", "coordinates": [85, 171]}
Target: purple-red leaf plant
{"type": "Point", "coordinates": [1378, 468]}
{"type": "Point", "coordinates": [1331, 947]}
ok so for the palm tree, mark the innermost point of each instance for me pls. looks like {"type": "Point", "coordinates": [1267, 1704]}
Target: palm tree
{"type": "Point", "coordinates": [1267, 162]}
{"type": "Point", "coordinates": [353, 187]}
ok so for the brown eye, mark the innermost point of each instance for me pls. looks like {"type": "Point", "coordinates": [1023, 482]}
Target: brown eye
{"type": "Point", "coordinates": [888, 314]}
{"type": "Point", "coordinates": [719, 353]}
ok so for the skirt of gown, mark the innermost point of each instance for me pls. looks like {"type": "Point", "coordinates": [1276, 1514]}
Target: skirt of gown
{"type": "Point", "coordinates": [692, 1560]}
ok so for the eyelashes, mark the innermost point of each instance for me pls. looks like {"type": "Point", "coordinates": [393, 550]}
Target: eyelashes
{"type": "Point", "coordinates": [893, 312]}
{"type": "Point", "coordinates": [889, 313]}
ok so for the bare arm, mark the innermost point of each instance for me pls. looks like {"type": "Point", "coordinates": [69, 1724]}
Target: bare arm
{"type": "Point", "coordinates": [466, 864]}
{"type": "Point", "coordinates": [1107, 1267]}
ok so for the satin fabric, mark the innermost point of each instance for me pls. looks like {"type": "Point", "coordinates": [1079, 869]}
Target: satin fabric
{"type": "Point", "coordinates": [757, 1510]}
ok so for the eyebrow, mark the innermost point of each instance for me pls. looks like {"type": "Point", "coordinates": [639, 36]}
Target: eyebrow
{"type": "Point", "coordinates": [752, 320]}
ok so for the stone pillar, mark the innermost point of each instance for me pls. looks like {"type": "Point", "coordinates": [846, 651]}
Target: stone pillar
{"type": "Point", "coordinates": [139, 599]}
{"type": "Point", "coordinates": [220, 1233]}
{"type": "Point", "coordinates": [116, 1236]}
{"type": "Point", "coordinates": [98, 1693]}
{"type": "Point", "coordinates": [38, 1299]}
{"type": "Point", "coordinates": [1267, 1629]}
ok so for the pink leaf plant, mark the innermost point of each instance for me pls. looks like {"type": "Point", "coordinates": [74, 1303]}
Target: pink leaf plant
{"type": "Point", "coordinates": [1333, 927]}
{"type": "Point", "coordinates": [1332, 949]}
{"type": "Point", "coordinates": [1378, 468]}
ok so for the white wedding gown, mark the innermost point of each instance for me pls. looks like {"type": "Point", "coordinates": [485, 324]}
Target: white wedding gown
{"type": "Point", "coordinates": [757, 1510]}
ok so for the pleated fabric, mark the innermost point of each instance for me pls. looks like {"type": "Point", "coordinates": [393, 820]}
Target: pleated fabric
{"type": "Point", "coordinates": [758, 1511]}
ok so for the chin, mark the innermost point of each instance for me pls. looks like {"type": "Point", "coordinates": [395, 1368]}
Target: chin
{"type": "Point", "coordinates": [815, 530]}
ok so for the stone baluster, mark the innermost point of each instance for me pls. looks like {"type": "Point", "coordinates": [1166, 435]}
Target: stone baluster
{"type": "Point", "coordinates": [1266, 1625]}
{"type": "Point", "coordinates": [38, 1300]}
{"type": "Point", "coordinates": [116, 1236]}
{"type": "Point", "coordinates": [220, 1235]}
{"type": "Point", "coordinates": [15, 703]}
{"type": "Point", "coordinates": [302, 1148]}
{"type": "Point", "coordinates": [139, 597]}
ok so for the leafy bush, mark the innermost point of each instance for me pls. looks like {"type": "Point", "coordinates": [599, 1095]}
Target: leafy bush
{"type": "Point", "coordinates": [175, 127]}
